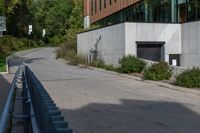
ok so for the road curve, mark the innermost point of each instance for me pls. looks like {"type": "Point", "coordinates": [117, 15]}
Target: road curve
{"type": "Point", "coordinates": [98, 102]}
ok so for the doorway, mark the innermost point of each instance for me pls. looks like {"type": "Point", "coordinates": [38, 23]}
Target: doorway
{"type": "Point", "coordinates": [153, 51]}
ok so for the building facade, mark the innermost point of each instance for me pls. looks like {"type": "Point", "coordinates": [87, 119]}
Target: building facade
{"type": "Point", "coordinates": [107, 12]}
{"type": "Point", "coordinates": [156, 30]}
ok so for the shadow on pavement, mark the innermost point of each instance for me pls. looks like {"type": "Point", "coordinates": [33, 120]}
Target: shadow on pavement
{"type": "Point", "coordinates": [15, 62]}
{"type": "Point", "coordinates": [133, 116]}
{"type": "Point", "coordinates": [4, 89]}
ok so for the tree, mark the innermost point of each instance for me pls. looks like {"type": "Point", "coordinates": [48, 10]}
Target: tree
{"type": "Point", "coordinates": [62, 19]}
{"type": "Point", "coordinates": [75, 20]}
{"type": "Point", "coordinates": [2, 8]}
{"type": "Point", "coordinates": [18, 17]}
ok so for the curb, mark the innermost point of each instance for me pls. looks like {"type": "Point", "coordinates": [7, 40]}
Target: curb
{"type": "Point", "coordinates": [161, 84]}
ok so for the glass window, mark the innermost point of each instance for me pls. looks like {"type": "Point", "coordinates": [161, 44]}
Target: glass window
{"type": "Point", "coordinates": [161, 11]}
{"type": "Point", "coordinates": [182, 10]}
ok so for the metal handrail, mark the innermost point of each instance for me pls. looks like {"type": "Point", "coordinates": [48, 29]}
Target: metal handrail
{"type": "Point", "coordinates": [6, 113]}
{"type": "Point", "coordinates": [48, 116]}
{"type": "Point", "coordinates": [40, 113]}
{"type": "Point", "coordinates": [34, 124]}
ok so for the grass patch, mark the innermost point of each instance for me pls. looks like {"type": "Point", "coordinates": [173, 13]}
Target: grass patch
{"type": "Point", "coordinates": [2, 63]}
{"type": "Point", "coordinates": [10, 45]}
{"type": "Point", "coordinates": [68, 51]}
{"type": "Point", "coordinates": [101, 64]}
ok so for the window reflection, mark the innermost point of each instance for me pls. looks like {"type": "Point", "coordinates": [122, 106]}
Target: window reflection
{"type": "Point", "coordinates": [160, 11]}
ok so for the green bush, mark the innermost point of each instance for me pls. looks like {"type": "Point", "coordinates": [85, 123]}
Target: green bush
{"type": "Point", "coordinates": [2, 63]}
{"type": "Point", "coordinates": [189, 78]}
{"type": "Point", "coordinates": [9, 44]}
{"type": "Point", "coordinates": [158, 71]}
{"type": "Point", "coordinates": [131, 64]}
{"type": "Point", "coordinates": [55, 40]}
{"type": "Point", "coordinates": [100, 64]}
{"type": "Point", "coordinates": [77, 60]}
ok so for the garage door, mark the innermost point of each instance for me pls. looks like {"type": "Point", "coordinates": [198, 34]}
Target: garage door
{"type": "Point", "coordinates": [150, 51]}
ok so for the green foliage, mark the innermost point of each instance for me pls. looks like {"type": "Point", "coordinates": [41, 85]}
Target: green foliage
{"type": "Point", "coordinates": [92, 27]}
{"type": "Point", "coordinates": [2, 8]}
{"type": "Point", "coordinates": [18, 18]}
{"type": "Point", "coordinates": [131, 64]}
{"type": "Point", "coordinates": [189, 78]}
{"type": "Point", "coordinates": [111, 68]}
{"type": "Point", "coordinates": [55, 40]}
{"type": "Point", "coordinates": [61, 19]}
{"type": "Point", "coordinates": [101, 64]}
{"type": "Point", "coordinates": [52, 16]}
{"type": "Point", "coordinates": [76, 17]}
{"type": "Point", "coordinates": [9, 44]}
{"type": "Point", "coordinates": [158, 71]}
{"type": "Point", "coordinates": [2, 63]}
{"type": "Point", "coordinates": [12, 5]}
{"type": "Point", "coordinates": [97, 63]}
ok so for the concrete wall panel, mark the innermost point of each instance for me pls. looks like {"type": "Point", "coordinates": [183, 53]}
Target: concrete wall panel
{"type": "Point", "coordinates": [111, 47]}
{"type": "Point", "coordinates": [190, 44]}
{"type": "Point", "coordinates": [120, 40]}
{"type": "Point", "coordinates": [168, 33]}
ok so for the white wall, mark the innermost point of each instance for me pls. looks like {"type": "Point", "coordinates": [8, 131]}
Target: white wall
{"type": "Point", "coordinates": [168, 33]}
{"type": "Point", "coordinates": [119, 40]}
{"type": "Point", "coordinates": [190, 44]}
{"type": "Point", "coordinates": [111, 46]}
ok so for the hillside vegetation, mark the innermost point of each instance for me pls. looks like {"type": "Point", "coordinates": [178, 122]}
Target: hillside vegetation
{"type": "Point", "coordinates": [61, 19]}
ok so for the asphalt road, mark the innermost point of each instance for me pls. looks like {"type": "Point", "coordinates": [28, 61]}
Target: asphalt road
{"type": "Point", "coordinates": [98, 102]}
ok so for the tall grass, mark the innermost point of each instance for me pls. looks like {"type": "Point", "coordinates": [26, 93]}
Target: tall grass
{"type": "Point", "coordinates": [68, 51]}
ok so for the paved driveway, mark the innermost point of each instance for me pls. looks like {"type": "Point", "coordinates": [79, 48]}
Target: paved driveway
{"type": "Point", "coordinates": [98, 102]}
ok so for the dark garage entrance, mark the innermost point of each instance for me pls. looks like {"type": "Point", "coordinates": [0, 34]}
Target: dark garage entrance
{"type": "Point", "coordinates": [153, 51]}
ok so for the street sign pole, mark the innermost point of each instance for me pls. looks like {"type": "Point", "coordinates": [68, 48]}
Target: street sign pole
{"type": "Point", "coordinates": [30, 30]}
{"type": "Point", "coordinates": [43, 35]}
